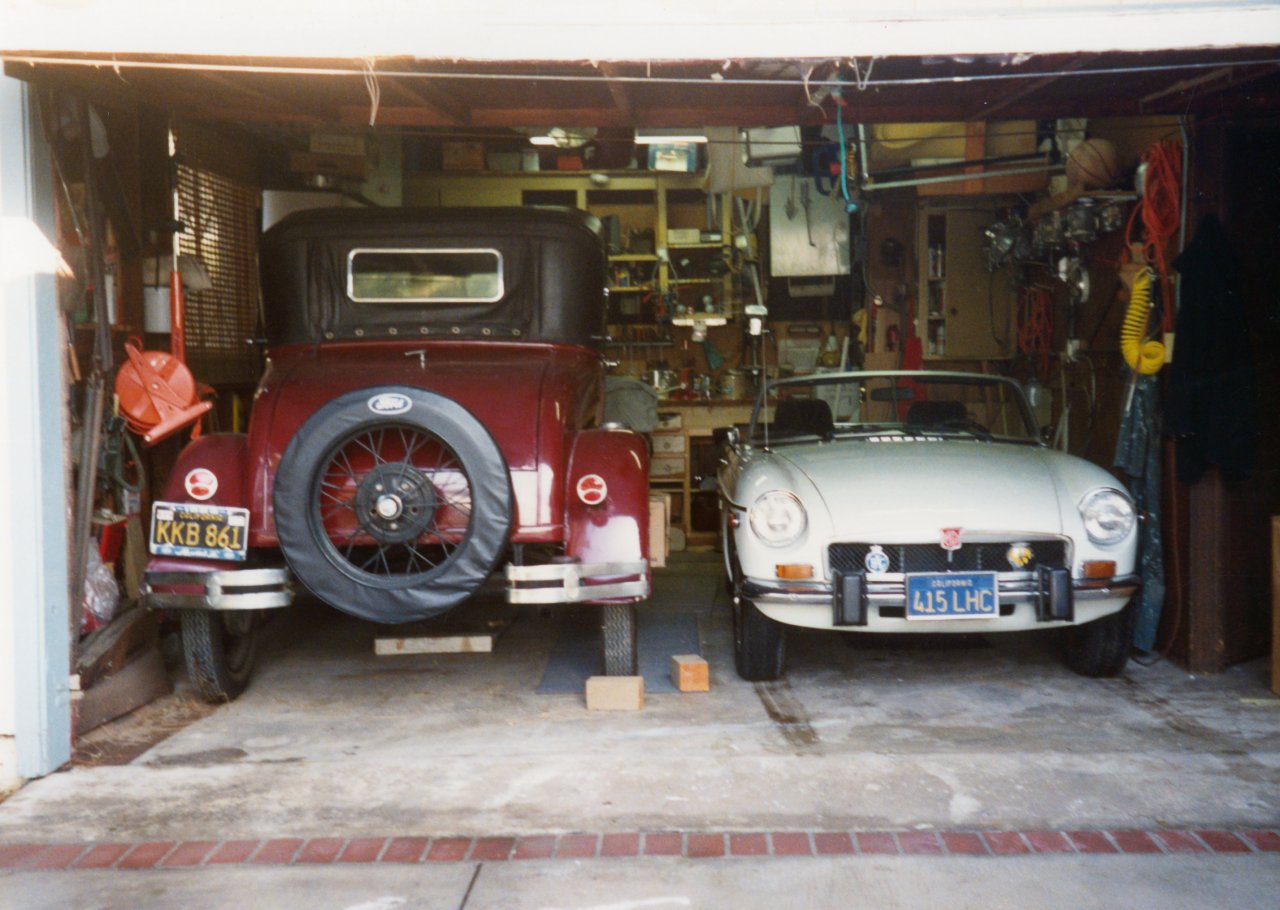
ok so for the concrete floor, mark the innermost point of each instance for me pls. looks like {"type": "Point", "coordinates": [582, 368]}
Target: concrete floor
{"type": "Point", "coordinates": [863, 734]}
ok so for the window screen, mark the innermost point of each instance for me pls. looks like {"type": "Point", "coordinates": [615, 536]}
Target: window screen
{"type": "Point", "coordinates": [424, 276]}
{"type": "Point", "coordinates": [220, 219]}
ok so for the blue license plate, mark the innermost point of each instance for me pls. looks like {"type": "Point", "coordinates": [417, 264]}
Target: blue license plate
{"type": "Point", "coordinates": [952, 595]}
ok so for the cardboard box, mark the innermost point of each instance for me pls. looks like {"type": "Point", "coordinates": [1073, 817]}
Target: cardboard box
{"type": "Point", "coordinates": [680, 157]}
{"type": "Point", "coordinates": [678, 236]}
{"type": "Point", "coordinates": [462, 156]}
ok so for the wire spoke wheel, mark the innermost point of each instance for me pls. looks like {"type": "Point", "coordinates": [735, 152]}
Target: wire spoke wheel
{"type": "Point", "coordinates": [394, 503]}
{"type": "Point", "coordinates": [392, 518]}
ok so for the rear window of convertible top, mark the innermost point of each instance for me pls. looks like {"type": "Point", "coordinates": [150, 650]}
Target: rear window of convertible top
{"type": "Point", "coordinates": [424, 276]}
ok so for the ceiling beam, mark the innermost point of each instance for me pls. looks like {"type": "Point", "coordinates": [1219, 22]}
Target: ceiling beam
{"type": "Point", "coordinates": [988, 109]}
{"type": "Point", "coordinates": [435, 102]}
{"type": "Point", "coordinates": [293, 109]}
{"type": "Point", "coordinates": [1206, 84]}
{"type": "Point", "coordinates": [617, 90]}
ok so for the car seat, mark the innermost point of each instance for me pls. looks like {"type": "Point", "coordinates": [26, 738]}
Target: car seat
{"type": "Point", "coordinates": [803, 416]}
{"type": "Point", "coordinates": [933, 413]}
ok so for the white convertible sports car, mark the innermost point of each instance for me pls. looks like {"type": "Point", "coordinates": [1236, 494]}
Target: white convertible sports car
{"type": "Point", "coordinates": [919, 502]}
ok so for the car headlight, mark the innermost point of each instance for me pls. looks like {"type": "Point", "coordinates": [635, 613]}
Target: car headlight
{"type": "Point", "coordinates": [1108, 516]}
{"type": "Point", "coordinates": [777, 518]}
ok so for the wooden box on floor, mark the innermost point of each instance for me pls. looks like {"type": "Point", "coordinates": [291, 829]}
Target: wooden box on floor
{"type": "Point", "coordinates": [615, 693]}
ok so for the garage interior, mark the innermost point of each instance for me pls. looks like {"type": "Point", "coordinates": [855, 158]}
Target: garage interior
{"type": "Point", "coordinates": [710, 177]}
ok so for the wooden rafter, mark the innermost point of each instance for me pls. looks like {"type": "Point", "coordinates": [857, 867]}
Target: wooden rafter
{"type": "Point", "coordinates": [436, 103]}
{"type": "Point", "coordinates": [282, 107]}
{"type": "Point", "coordinates": [617, 90]}
{"type": "Point", "coordinates": [988, 110]}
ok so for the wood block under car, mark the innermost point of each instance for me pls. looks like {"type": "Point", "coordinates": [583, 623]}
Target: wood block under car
{"type": "Point", "coordinates": [690, 673]}
{"type": "Point", "coordinates": [474, 634]}
{"type": "Point", "coordinates": [615, 693]}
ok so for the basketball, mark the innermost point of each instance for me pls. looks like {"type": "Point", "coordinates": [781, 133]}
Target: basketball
{"type": "Point", "coordinates": [1094, 165]}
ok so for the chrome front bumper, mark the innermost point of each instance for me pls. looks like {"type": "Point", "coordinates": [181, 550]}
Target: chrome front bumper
{"type": "Point", "coordinates": [234, 589]}
{"type": "Point", "coordinates": [854, 595]}
{"type": "Point", "coordinates": [576, 582]}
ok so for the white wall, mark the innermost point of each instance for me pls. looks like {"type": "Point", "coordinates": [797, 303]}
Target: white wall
{"type": "Point", "coordinates": [35, 707]}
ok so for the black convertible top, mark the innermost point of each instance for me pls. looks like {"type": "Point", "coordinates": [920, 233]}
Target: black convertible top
{"type": "Point", "coordinates": [553, 264]}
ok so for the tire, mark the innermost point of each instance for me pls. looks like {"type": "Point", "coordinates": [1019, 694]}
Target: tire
{"type": "Point", "coordinates": [220, 651]}
{"type": "Point", "coordinates": [392, 518]}
{"type": "Point", "coordinates": [618, 635]}
{"type": "Point", "coordinates": [759, 643]}
{"type": "Point", "coordinates": [1101, 648]}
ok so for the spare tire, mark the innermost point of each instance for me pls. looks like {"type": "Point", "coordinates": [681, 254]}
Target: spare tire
{"type": "Point", "coordinates": [392, 503]}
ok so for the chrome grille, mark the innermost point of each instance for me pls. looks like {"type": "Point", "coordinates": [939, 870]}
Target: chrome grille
{"type": "Point", "coordinates": [974, 557]}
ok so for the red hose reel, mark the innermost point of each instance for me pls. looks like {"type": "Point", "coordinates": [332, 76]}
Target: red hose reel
{"type": "Point", "coordinates": [157, 393]}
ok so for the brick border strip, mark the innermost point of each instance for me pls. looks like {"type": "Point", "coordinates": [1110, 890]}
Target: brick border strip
{"type": "Point", "coordinates": [296, 851]}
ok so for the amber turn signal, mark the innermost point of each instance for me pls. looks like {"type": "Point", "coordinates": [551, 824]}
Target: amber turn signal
{"type": "Point", "coordinates": [1099, 568]}
{"type": "Point", "coordinates": [793, 571]}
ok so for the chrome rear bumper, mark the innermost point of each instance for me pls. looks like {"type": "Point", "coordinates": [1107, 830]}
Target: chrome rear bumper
{"type": "Point", "coordinates": [576, 582]}
{"type": "Point", "coordinates": [233, 589]}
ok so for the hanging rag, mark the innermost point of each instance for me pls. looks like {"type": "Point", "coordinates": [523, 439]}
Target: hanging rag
{"type": "Point", "coordinates": [1212, 401]}
{"type": "Point", "coordinates": [1138, 456]}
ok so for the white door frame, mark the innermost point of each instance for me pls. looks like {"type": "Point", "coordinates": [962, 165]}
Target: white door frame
{"type": "Point", "coordinates": [35, 635]}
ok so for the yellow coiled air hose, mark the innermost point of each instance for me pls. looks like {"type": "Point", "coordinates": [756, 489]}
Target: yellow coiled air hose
{"type": "Point", "coordinates": [1143, 356]}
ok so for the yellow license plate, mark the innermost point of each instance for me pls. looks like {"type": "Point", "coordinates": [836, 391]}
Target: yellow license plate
{"type": "Point", "coordinates": [204, 532]}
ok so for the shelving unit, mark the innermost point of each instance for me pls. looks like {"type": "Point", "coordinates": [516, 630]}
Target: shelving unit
{"type": "Point", "coordinates": [965, 312]}
{"type": "Point", "coordinates": [646, 271]}
{"type": "Point", "coordinates": [684, 464]}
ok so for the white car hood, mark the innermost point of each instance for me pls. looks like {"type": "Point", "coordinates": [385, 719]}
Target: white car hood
{"type": "Point", "coordinates": [893, 491]}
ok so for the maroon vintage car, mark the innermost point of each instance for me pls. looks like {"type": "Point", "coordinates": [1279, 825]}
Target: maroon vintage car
{"type": "Point", "coordinates": [431, 409]}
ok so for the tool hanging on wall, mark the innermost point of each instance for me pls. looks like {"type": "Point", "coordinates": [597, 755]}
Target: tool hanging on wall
{"type": "Point", "coordinates": [93, 145]}
{"type": "Point", "coordinates": [157, 393]}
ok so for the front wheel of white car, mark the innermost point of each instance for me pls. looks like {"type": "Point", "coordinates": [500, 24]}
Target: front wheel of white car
{"type": "Point", "coordinates": [759, 643]}
{"type": "Point", "coordinates": [1101, 648]}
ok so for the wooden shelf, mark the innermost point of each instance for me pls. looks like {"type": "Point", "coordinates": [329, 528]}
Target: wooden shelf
{"type": "Point", "coordinates": [630, 289]}
{"type": "Point", "coordinates": [633, 257]}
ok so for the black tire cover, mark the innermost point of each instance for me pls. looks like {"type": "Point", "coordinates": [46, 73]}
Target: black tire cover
{"type": "Point", "coordinates": [393, 598]}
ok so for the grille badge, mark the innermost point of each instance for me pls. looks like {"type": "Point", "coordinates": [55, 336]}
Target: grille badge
{"type": "Point", "coordinates": [1019, 555]}
{"type": "Point", "coordinates": [877, 560]}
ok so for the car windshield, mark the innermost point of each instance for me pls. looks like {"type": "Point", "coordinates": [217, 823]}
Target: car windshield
{"type": "Point", "coordinates": [897, 406]}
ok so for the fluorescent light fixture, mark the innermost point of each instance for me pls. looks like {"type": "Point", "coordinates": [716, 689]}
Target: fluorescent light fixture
{"type": "Point", "coordinates": [650, 136]}
{"type": "Point", "coordinates": [564, 137]}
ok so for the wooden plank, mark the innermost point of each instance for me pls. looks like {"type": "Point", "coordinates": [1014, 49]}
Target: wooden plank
{"type": "Point", "coordinates": [1275, 604]}
{"type": "Point", "coordinates": [1207, 594]}
{"type": "Point", "coordinates": [435, 644]}
{"type": "Point", "coordinates": [455, 635]}
{"type": "Point", "coordinates": [143, 680]}
{"type": "Point", "coordinates": [108, 649]}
